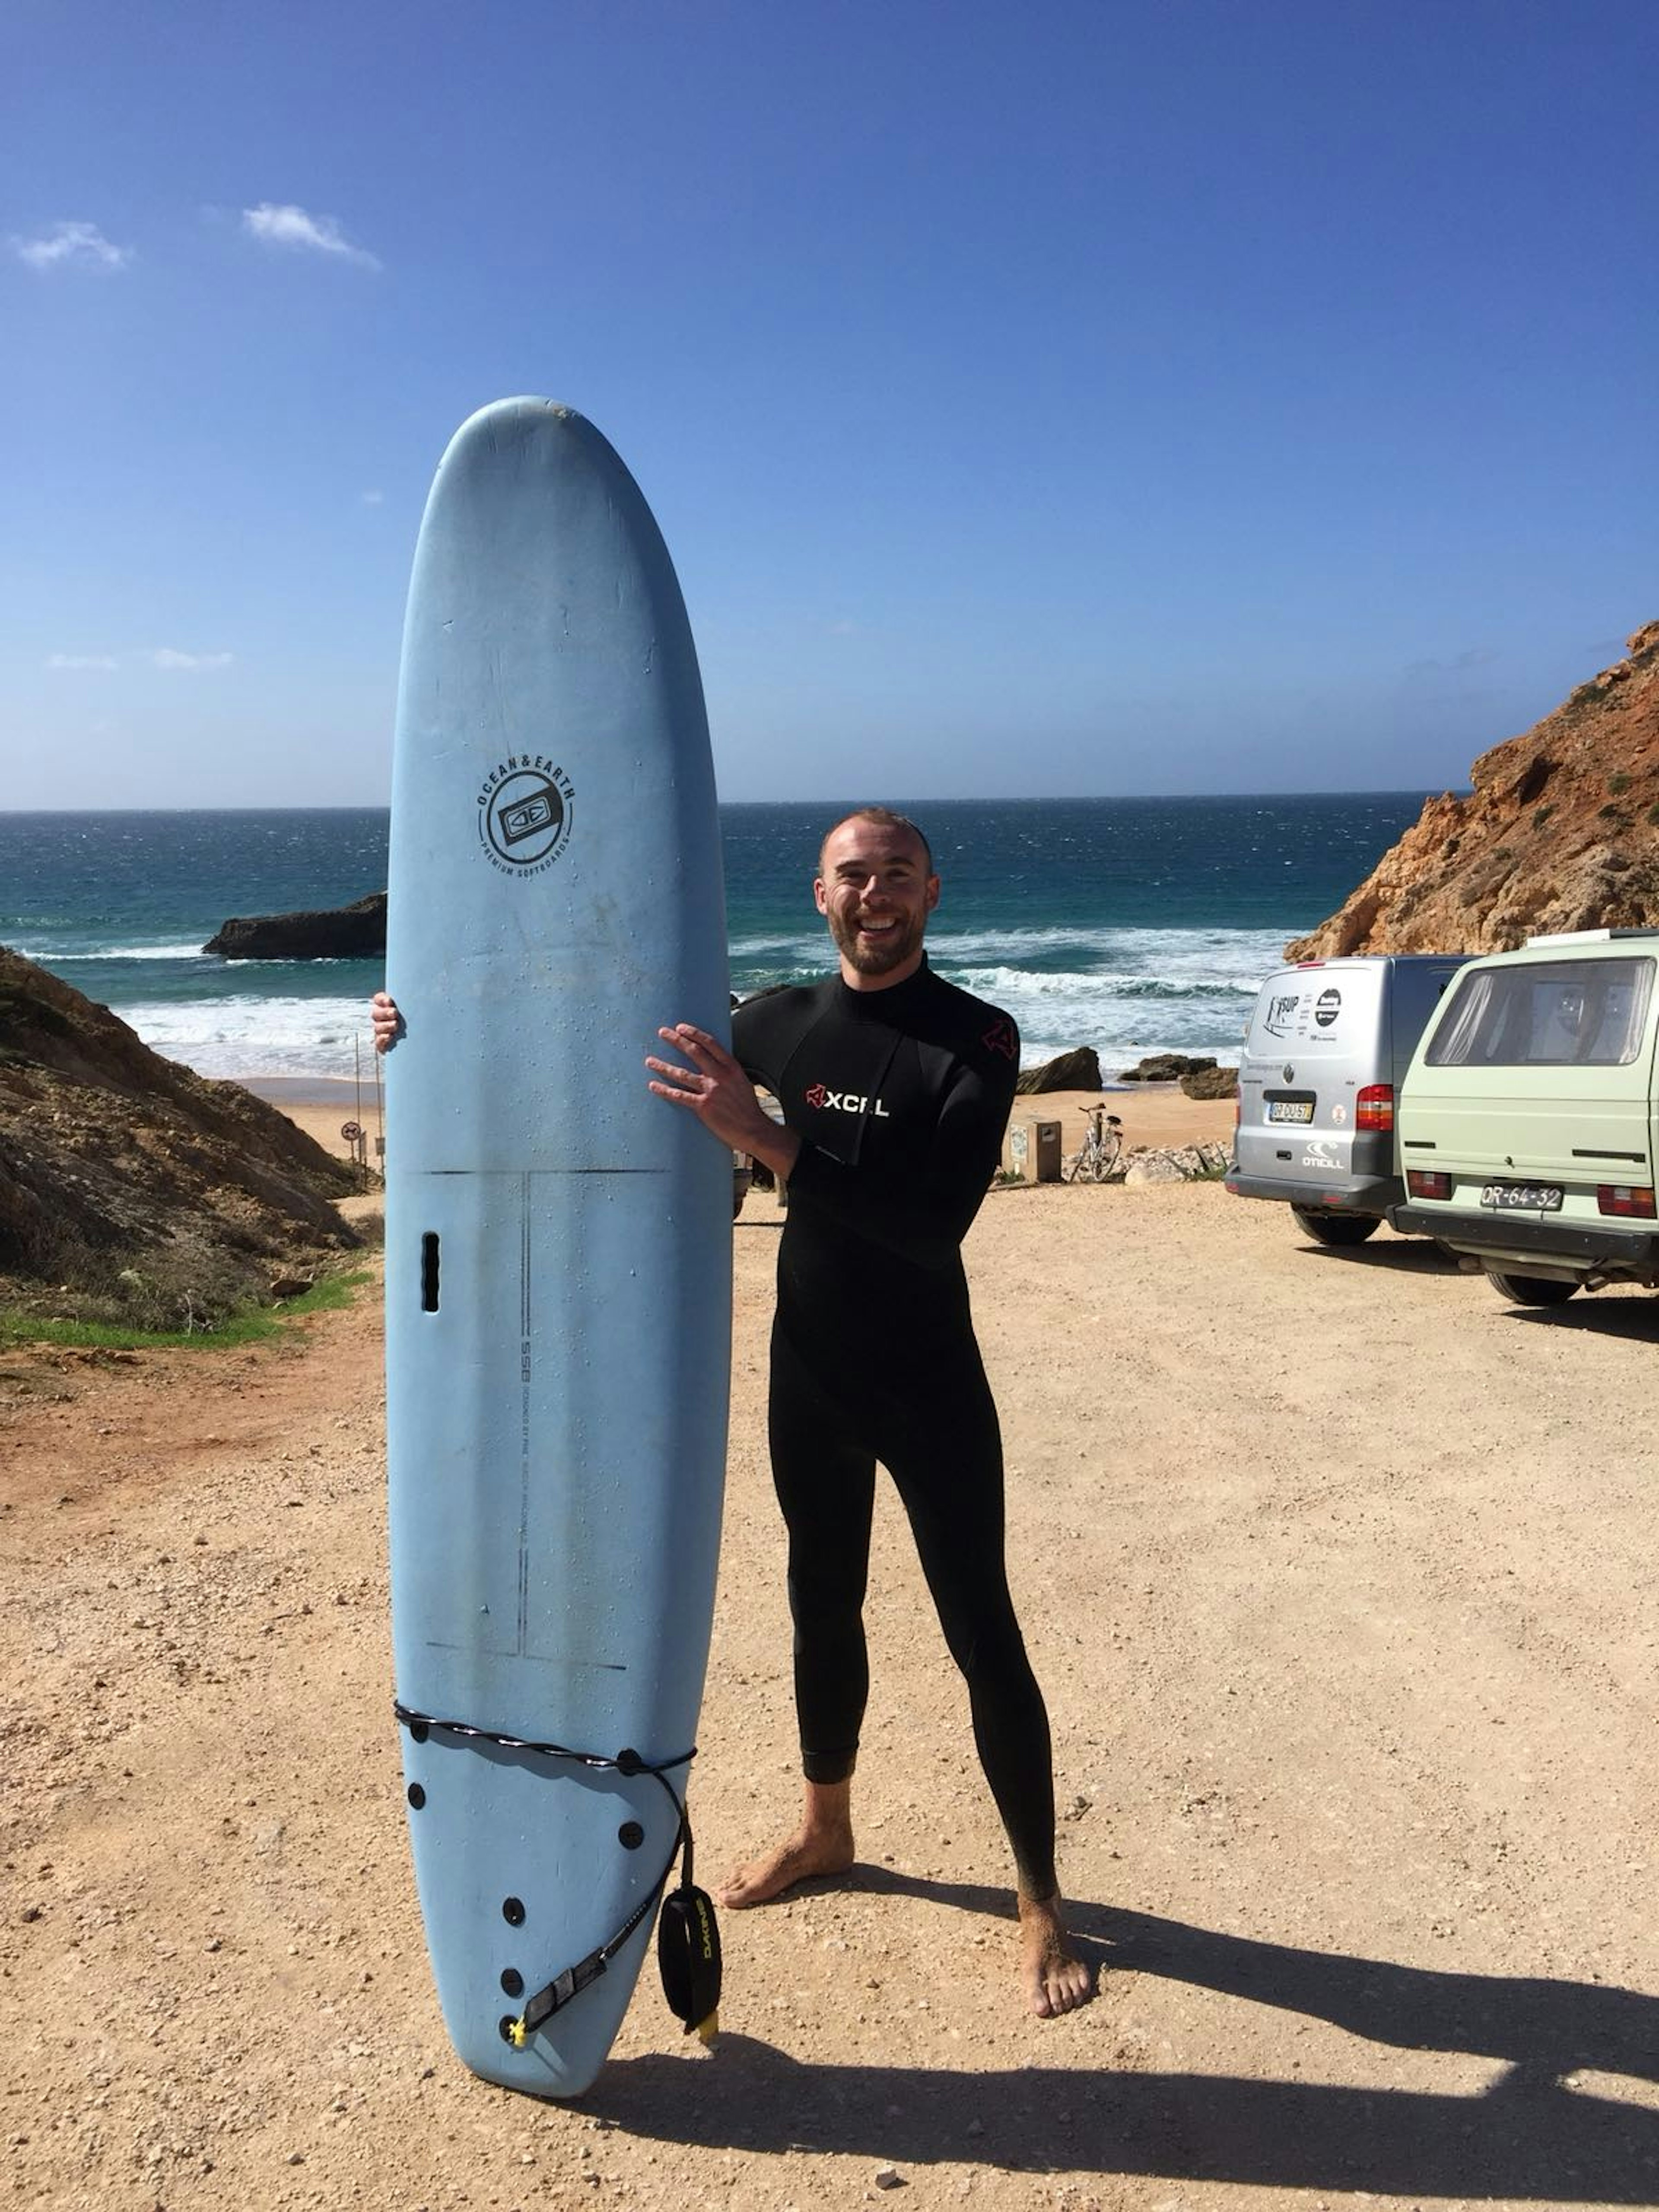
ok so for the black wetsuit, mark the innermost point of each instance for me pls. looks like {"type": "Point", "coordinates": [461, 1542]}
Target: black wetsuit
{"type": "Point", "coordinates": [900, 1096]}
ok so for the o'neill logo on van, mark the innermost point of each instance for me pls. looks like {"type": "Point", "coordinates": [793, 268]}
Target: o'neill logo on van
{"type": "Point", "coordinates": [846, 1101]}
{"type": "Point", "coordinates": [1329, 1007]}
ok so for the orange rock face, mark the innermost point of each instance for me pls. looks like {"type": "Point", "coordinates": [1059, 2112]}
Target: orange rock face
{"type": "Point", "coordinates": [1561, 831]}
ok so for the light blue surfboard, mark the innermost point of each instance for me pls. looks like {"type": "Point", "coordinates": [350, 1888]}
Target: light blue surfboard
{"type": "Point", "coordinates": [558, 1241]}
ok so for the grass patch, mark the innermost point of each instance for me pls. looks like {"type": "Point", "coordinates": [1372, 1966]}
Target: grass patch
{"type": "Point", "coordinates": [251, 1325]}
{"type": "Point", "coordinates": [1618, 781]}
{"type": "Point", "coordinates": [1543, 816]}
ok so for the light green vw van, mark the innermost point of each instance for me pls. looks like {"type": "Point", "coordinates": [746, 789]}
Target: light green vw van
{"type": "Point", "coordinates": [1528, 1116]}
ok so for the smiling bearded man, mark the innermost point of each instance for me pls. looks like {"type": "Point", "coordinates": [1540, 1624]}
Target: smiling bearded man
{"type": "Point", "coordinates": [896, 1088]}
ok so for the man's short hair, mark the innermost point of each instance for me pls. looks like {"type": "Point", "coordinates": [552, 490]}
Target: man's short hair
{"type": "Point", "coordinates": [888, 819]}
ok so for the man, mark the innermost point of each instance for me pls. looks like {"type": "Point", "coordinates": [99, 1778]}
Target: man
{"type": "Point", "coordinates": [896, 1088]}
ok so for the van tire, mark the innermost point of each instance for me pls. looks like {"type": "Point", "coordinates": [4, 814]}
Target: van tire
{"type": "Point", "coordinates": [1530, 1290]}
{"type": "Point", "coordinates": [1336, 1228]}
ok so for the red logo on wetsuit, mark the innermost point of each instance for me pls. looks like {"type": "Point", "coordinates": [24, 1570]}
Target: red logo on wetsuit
{"type": "Point", "coordinates": [1001, 1037]}
{"type": "Point", "coordinates": [846, 1101]}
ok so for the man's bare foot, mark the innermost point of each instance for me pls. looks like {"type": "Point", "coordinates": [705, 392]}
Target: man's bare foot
{"type": "Point", "coordinates": [1053, 1978]}
{"type": "Point", "coordinates": [821, 1844]}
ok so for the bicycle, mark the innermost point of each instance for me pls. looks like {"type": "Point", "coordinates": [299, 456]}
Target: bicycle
{"type": "Point", "coordinates": [1095, 1157]}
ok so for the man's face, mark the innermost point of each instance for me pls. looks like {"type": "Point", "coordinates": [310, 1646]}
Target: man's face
{"type": "Point", "coordinates": [876, 893]}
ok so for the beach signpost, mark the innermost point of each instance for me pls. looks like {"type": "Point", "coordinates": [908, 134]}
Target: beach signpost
{"type": "Point", "coordinates": [558, 1246]}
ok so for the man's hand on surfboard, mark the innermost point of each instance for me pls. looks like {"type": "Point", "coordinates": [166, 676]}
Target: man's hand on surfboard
{"type": "Point", "coordinates": [716, 1090]}
{"type": "Point", "coordinates": [388, 1022]}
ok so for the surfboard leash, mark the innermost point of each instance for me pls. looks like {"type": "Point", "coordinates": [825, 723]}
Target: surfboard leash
{"type": "Point", "coordinates": [688, 1936]}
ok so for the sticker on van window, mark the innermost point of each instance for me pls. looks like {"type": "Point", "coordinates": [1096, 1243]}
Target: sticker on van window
{"type": "Point", "coordinates": [1329, 1007]}
{"type": "Point", "coordinates": [1280, 1017]}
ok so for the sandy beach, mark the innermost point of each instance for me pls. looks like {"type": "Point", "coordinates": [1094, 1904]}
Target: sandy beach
{"type": "Point", "coordinates": [1338, 1576]}
{"type": "Point", "coordinates": [1151, 1114]}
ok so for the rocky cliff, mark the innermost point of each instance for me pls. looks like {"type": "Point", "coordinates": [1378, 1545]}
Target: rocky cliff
{"type": "Point", "coordinates": [131, 1187]}
{"type": "Point", "coordinates": [1561, 831]}
{"type": "Point", "coordinates": [341, 933]}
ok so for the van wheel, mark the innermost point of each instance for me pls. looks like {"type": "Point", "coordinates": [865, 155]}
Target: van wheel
{"type": "Point", "coordinates": [1530, 1290]}
{"type": "Point", "coordinates": [1336, 1228]}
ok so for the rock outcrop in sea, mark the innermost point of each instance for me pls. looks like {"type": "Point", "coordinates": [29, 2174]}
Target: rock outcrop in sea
{"type": "Point", "coordinates": [1077, 1070]}
{"type": "Point", "coordinates": [341, 933]}
{"type": "Point", "coordinates": [132, 1188]}
{"type": "Point", "coordinates": [1561, 831]}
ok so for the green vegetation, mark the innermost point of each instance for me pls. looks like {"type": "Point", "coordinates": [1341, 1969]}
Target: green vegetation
{"type": "Point", "coordinates": [1618, 781]}
{"type": "Point", "coordinates": [1611, 813]}
{"type": "Point", "coordinates": [1543, 816]}
{"type": "Point", "coordinates": [248, 1326]}
{"type": "Point", "coordinates": [1653, 815]}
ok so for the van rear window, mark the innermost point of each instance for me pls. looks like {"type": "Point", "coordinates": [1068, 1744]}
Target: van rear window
{"type": "Point", "coordinates": [1556, 1013]}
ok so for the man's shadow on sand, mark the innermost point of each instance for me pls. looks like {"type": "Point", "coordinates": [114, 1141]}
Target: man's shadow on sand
{"type": "Point", "coordinates": [1528, 2136]}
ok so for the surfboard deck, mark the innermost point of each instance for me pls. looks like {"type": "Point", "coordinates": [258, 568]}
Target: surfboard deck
{"type": "Point", "coordinates": [558, 1241]}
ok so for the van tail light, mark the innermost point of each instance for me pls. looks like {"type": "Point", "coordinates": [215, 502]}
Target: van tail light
{"type": "Point", "coordinates": [1633, 1199]}
{"type": "Point", "coordinates": [1374, 1108]}
{"type": "Point", "coordinates": [1427, 1182]}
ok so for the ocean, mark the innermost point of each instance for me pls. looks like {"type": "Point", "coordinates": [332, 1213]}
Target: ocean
{"type": "Point", "coordinates": [1134, 925]}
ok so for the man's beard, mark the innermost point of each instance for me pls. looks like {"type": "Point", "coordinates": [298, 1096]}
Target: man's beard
{"type": "Point", "coordinates": [881, 956]}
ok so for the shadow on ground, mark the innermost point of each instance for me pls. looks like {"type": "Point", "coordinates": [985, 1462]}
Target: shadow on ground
{"type": "Point", "coordinates": [1635, 1319]}
{"type": "Point", "coordinates": [1528, 2136]}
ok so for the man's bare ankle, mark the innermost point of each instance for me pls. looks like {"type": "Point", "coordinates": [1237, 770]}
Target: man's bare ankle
{"type": "Point", "coordinates": [1035, 1907]}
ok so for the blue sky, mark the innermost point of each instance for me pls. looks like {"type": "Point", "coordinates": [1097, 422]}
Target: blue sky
{"type": "Point", "coordinates": [1189, 395]}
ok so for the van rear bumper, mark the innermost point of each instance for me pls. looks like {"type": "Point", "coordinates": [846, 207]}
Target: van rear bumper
{"type": "Point", "coordinates": [1353, 1194]}
{"type": "Point", "coordinates": [1501, 1236]}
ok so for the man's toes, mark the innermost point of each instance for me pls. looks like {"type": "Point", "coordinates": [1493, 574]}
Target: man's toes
{"type": "Point", "coordinates": [1070, 1987]}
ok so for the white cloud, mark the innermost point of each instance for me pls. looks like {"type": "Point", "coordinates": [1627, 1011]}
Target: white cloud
{"type": "Point", "coordinates": [291, 226]}
{"type": "Point", "coordinates": [165, 656]}
{"type": "Point", "coordinates": [81, 660]}
{"type": "Point", "coordinates": [373, 498]}
{"type": "Point", "coordinates": [71, 241]}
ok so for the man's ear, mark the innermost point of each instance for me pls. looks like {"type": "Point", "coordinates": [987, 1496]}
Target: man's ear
{"type": "Point", "coordinates": [933, 893]}
{"type": "Point", "coordinates": [819, 900]}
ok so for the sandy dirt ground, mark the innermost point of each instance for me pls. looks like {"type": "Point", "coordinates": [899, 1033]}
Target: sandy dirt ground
{"type": "Point", "coordinates": [1339, 1575]}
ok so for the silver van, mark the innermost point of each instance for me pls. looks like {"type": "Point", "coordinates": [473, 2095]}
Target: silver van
{"type": "Point", "coordinates": [1528, 1121]}
{"type": "Point", "coordinates": [1326, 1051]}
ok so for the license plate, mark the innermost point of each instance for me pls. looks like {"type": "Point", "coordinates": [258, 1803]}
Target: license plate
{"type": "Point", "coordinates": [1522, 1197]}
{"type": "Point", "coordinates": [1290, 1110]}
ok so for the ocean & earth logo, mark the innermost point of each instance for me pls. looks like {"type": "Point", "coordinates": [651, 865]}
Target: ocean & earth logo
{"type": "Point", "coordinates": [526, 808]}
